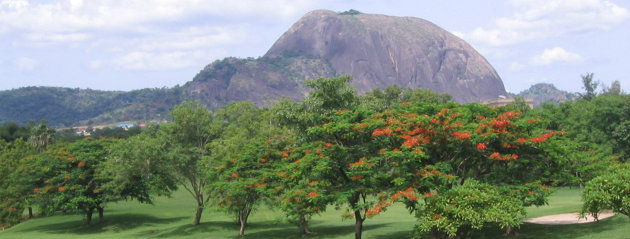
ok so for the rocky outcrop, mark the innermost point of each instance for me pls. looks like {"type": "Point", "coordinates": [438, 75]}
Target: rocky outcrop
{"type": "Point", "coordinates": [379, 51]}
{"type": "Point", "coordinates": [376, 50]}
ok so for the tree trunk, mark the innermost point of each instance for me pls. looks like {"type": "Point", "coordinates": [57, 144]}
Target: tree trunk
{"type": "Point", "coordinates": [241, 231]}
{"type": "Point", "coordinates": [462, 233]}
{"type": "Point", "coordinates": [100, 214]}
{"type": "Point", "coordinates": [198, 215]}
{"type": "Point", "coordinates": [304, 225]}
{"type": "Point", "coordinates": [508, 231]}
{"type": "Point", "coordinates": [88, 216]}
{"type": "Point", "coordinates": [242, 217]}
{"type": "Point", "coordinates": [435, 234]}
{"type": "Point", "coordinates": [358, 226]}
{"type": "Point", "coordinates": [30, 212]}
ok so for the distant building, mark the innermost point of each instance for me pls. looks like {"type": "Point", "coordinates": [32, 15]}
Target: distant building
{"type": "Point", "coordinates": [125, 126]}
{"type": "Point", "coordinates": [503, 101]}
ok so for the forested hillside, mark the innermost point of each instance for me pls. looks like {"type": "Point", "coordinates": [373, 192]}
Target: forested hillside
{"type": "Point", "coordinates": [68, 107]}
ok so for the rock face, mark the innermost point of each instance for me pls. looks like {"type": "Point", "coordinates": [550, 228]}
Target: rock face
{"type": "Point", "coordinates": [379, 51]}
{"type": "Point", "coordinates": [376, 50]}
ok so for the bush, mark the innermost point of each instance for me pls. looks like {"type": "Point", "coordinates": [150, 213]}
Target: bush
{"type": "Point", "coordinates": [610, 191]}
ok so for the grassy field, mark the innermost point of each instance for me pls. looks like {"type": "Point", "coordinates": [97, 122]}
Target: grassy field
{"type": "Point", "coordinates": [172, 218]}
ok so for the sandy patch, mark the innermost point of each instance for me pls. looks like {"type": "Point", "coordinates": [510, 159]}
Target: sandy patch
{"type": "Point", "coordinates": [567, 218]}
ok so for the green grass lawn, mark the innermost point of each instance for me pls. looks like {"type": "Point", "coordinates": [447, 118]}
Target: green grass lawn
{"type": "Point", "coordinates": [172, 218]}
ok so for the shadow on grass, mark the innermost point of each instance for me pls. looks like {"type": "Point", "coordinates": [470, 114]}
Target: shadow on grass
{"type": "Point", "coordinates": [116, 223]}
{"type": "Point", "coordinates": [291, 231]}
{"type": "Point", "coordinates": [262, 230]}
{"type": "Point", "coordinates": [607, 228]}
{"type": "Point", "coordinates": [204, 228]}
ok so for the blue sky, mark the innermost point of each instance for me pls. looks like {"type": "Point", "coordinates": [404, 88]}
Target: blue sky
{"type": "Point", "coordinates": [133, 44]}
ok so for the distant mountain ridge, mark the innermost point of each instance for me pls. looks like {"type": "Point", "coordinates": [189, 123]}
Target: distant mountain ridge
{"type": "Point", "coordinates": [377, 50]}
{"type": "Point", "coordinates": [68, 107]}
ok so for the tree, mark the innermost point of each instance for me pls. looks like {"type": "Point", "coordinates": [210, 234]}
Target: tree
{"type": "Point", "coordinates": [302, 195]}
{"type": "Point", "coordinates": [243, 159]}
{"type": "Point", "coordinates": [41, 136]}
{"type": "Point", "coordinates": [345, 158]}
{"type": "Point", "coordinates": [190, 132]}
{"type": "Point", "coordinates": [160, 159]}
{"type": "Point", "coordinates": [378, 100]}
{"type": "Point", "coordinates": [590, 86]}
{"type": "Point", "coordinates": [439, 147]}
{"type": "Point", "coordinates": [609, 191]}
{"type": "Point", "coordinates": [614, 89]}
{"type": "Point", "coordinates": [241, 183]}
{"type": "Point", "coordinates": [337, 151]}
{"type": "Point", "coordinates": [139, 167]}
{"type": "Point", "coordinates": [11, 131]}
{"type": "Point", "coordinates": [76, 181]}
{"type": "Point", "coordinates": [467, 206]}
{"type": "Point", "coordinates": [11, 204]}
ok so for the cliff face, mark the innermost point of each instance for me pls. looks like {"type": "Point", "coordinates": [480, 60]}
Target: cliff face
{"type": "Point", "coordinates": [379, 51]}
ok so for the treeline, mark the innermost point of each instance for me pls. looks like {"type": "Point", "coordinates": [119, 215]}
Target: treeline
{"type": "Point", "coordinates": [62, 107]}
{"type": "Point", "coordinates": [456, 167]}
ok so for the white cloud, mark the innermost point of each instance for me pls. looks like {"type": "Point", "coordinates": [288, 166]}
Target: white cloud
{"type": "Point", "coordinates": [57, 37]}
{"type": "Point", "coordinates": [539, 19]}
{"type": "Point", "coordinates": [193, 38]}
{"type": "Point", "coordinates": [95, 64]}
{"type": "Point", "coordinates": [25, 64]}
{"type": "Point", "coordinates": [134, 15]}
{"type": "Point", "coordinates": [458, 34]}
{"type": "Point", "coordinates": [516, 66]}
{"type": "Point", "coordinates": [556, 55]}
{"type": "Point", "coordinates": [146, 60]}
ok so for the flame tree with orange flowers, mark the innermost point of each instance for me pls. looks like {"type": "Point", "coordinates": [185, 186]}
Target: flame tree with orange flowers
{"type": "Point", "coordinates": [69, 177]}
{"type": "Point", "coordinates": [336, 160]}
{"type": "Point", "coordinates": [241, 172]}
{"type": "Point", "coordinates": [493, 148]}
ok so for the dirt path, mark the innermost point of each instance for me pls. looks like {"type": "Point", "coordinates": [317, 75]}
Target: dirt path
{"type": "Point", "coordinates": [567, 218]}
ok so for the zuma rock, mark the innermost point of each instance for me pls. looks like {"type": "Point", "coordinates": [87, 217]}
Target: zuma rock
{"type": "Point", "coordinates": [376, 50]}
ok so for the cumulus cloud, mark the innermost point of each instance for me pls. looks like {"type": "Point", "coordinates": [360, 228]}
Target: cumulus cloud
{"type": "Point", "coordinates": [147, 60]}
{"type": "Point", "coordinates": [25, 64]}
{"type": "Point", "coordinates": [458, 34]}
{"type": "Point", "coordinates": [516, 66]}
{"type": "Point", "coordinates": [539, 19]}
{"type": "Point", "coordinates": [165, 34]}
{"type": "Point", "coordinates": [77, 15]}
{"type": "Point", "coordinates": [556, 55]}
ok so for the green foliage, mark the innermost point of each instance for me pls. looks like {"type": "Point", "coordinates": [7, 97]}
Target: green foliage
{"type": "Point", "coordinates": [115, 132]}
{"type": "Point", "coordinates": [140, 168]}
{"type": "Point", "coordinates": [468, 206]}
{"type": "Point", "coordinates": [11, 204]}
{"type": "Point", "coordinates": [378, 100]}
{"type": "Point", "coordinates": [594, 134]}
{"type": "Point", "coordinates": [245, 155]}
{"type": "Point", "coordinates": [350, 12]}
{"type": "Point", "coordinates": [219, 70]}
{"type": "Point", "coordinates": [589, 86]}
{"type": "Point", "coordinates": [609, 191]}
{"type": "Point", "coordinates": [11, 131]}
{"type": "Point", "coordinates": [240, 184]}
{"type": "Point", "coordinates": [189, 134]}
